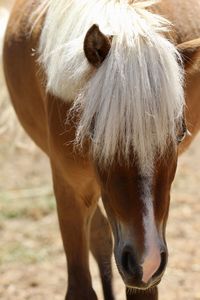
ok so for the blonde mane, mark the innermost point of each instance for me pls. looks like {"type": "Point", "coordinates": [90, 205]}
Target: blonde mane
{"type": "Point", "coordinates": [134, 101]}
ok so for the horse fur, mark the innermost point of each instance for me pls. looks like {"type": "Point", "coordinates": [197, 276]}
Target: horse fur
{"type": "Point", "coordinates": [140, 80]}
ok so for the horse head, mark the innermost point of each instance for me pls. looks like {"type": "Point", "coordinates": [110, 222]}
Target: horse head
{"type": "Point", "coordinates": [135, 191]}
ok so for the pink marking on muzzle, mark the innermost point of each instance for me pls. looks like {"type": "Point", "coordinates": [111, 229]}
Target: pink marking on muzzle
{"type": "Point", "coordinates": [151, 264]}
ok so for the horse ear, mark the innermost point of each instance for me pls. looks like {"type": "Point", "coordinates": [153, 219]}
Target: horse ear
{"type": "Point", "coordinates": [190, 52]}
{"type": "Point", "coordinates": [96, 46]}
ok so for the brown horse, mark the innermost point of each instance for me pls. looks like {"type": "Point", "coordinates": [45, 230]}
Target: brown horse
{"type": "Point", "coordinates": [99, 87]}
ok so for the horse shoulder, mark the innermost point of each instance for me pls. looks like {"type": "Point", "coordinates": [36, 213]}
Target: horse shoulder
{"type": "Point", "coordinates": [22, 73]}
{"type": "Point", "coordinates": [184, 15]}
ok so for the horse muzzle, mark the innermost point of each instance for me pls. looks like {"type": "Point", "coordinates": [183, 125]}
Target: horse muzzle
{"type": "Point", "coordinates": [140, 273]}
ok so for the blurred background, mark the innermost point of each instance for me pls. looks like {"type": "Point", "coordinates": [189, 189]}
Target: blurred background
{"type": "Point", "coordinates": [32, 262]}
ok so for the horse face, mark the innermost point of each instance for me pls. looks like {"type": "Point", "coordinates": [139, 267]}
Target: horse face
{"type": "Point", "coordinates": [137, 208]}
{"type": "Point", "coordinates": [136, 200]}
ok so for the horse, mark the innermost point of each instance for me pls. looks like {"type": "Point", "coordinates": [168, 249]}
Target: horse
{"type": "Point", "coordinates": [109, 90]}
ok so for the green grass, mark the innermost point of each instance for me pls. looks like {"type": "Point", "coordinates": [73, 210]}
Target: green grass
{"type": "Point", "coordinates": [17, 252]}
{"type": "Point", "coordinates": [26, 204]}
{"type": "Point", "coordinates": [26, 236]}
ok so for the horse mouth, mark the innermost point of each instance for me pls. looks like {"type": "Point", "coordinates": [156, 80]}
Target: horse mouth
{"type": "Point", "coordinates": [144, 287]}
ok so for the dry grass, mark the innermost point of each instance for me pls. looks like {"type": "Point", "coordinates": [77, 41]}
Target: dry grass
{"type": "Point", "coordinates": [32, 263]}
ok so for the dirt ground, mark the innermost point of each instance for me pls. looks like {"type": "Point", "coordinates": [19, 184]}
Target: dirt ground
{"type": "Point", "coordinates": [32, 262]}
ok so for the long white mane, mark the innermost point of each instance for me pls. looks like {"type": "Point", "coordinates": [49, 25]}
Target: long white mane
{"type": "Point", "coordinates": [134, 101]}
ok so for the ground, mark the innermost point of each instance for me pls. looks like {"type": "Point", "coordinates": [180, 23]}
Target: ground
{"type": "Point", "coordinates": [32, 262]}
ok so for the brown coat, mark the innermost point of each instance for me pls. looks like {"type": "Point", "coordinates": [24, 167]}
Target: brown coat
{"type": "Point", "coordinates": [76, 185]}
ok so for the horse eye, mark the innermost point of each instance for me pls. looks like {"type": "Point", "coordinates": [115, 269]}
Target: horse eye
{"type": "Point", "coordinates": [183, 132]}
{"type": "Point", "coordinates": [181, 137]}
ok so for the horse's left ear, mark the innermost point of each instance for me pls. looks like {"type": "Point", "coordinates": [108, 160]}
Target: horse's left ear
{"type": "Point", "coordinates": [96, 46]}
{"type": "Point", "coordinates": [190, 52]}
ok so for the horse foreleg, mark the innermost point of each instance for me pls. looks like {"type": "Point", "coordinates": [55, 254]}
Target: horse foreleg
{"type": "Point", "coordinates": [74, 219]}
{"type": "Point", "coordinates": [101, 248]}
{"type": "Point", "coordinates": [151, 294]}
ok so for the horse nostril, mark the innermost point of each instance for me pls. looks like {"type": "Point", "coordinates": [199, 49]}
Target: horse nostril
{"type": "Point", "coordinates": [130, 265]}
{"type": "Point", "coordinates": [126, 262]}
{"type": "Point", "coordinates": [163, 264]}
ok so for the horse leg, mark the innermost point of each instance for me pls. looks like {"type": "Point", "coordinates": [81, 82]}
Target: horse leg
{"type": "Point", "coordinates": [151, 294]}
{"type": "Point", "coordinates": [74, 219]}
{"type": "Point", "coordinates": [101, 248]}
